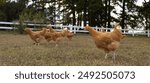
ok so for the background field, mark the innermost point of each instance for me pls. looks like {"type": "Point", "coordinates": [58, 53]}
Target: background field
{"type": "Point", "coordinates": [18, 50]}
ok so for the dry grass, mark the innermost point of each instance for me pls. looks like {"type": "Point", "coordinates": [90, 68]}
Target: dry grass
{"type": "Point", "coordinates": [18, 50]}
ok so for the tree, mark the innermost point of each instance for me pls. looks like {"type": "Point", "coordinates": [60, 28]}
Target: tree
{"type": "Point", "coordinates": [76, 12]}
{"type": "Point", "coordinates": [107, 13]}
{"type": "Point", "coordinates": [70, 9]}
{"type": "Point", "coordinates": [85, 8]}
{"type": "Point", "coordinates": [21, 25]}
{"type": "Point", "coordinates": [96, 13]}
{"type": "Point", "coordinates": [144, 13]}
{"type": "Point", "coordinates": [128, 15]}
{"type": "Point", "coordinates": [13, 9]}
{"type": "Point", "coordinates": [3, 2]}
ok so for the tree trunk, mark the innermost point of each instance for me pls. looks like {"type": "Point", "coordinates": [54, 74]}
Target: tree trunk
{"type": "Point", "coordinates": [54, 11]}
{"type": "Point", "coordinates": [79, 19]}
{"type": "Point", "coordinates": [105, 13]}
{"type": "Point", "coordinates": [146, 23]}
{"type": "Point", "coordinates": [74, 16]}
{"type": "Point", "coordinates": [109, 17]}
{"type": "Point", "coordinates": [123, 14]}
{"type": "Point", "coordinates": [73, 12]}
{"type": "Point", "coordinates": [85, 11]}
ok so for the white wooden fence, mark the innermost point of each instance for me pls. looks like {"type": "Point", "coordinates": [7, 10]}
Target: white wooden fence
{"type": "Point", "coordinates": [76, 29]}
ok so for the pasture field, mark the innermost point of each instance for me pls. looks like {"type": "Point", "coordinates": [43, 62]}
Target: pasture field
{"type": "Point", "coordinates": [18, 50]}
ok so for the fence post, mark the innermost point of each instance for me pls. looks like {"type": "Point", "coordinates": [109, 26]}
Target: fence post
{"type": "Point", "coordinates": [74, 31]}
{"type": "Point", "coordinates": [132, 32]}
{"type": "Point", "coordinates": [124, 31]}
{"type": "Point", "coordinates": [106, 29]}
{"type": "Point", "coordinates": [70, 28]}
{"type": "Point", "coordinates": [148, 33]}
{"type": "Point", "coordinates": [96, 28]}
{"type": "Point", "coordinates": [101, 29]}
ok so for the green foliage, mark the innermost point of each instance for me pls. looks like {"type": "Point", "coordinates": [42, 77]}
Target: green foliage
{"type": "Point", "coordinates": [96, 12]}
{"type": "Point", "coordinates": [39, 17]}
{"type": "Point", "coordinates": [144, 13]}
{"type": "Point", "coordinates": [28, 16]}
{"type": "Point", "coordinates": [3, 2]}
{"type": "Point", "coordinates": [21, 25]}
{"type": "Point", "coordinates": [2, 16]}
{"type": "Point", "coordinates": [11, 10]}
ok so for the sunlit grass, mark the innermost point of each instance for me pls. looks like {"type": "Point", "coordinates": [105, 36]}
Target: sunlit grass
{"type": "Point", "coordinates": [18, 50]}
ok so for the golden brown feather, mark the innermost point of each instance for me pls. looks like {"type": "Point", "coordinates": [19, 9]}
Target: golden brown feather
{"type": "Point", "coordinates": [36, 36]}
{"type": "Point", "coordinates": [108, 41]}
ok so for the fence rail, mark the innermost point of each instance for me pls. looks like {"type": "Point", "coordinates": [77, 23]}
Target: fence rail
{"type": "Point", "coordinates": [76, 29]}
